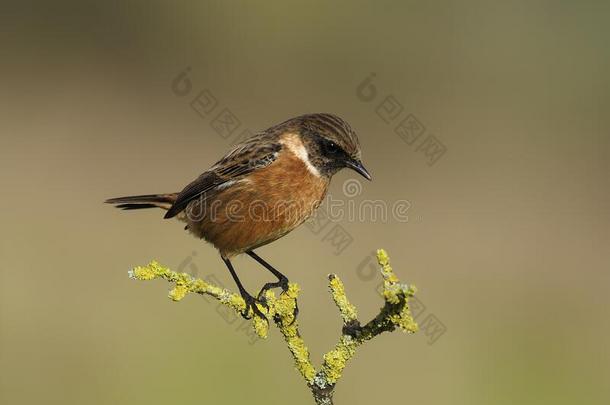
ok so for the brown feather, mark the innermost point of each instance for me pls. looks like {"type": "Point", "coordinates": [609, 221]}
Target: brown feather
{"type": "Point", "coordinates": [261, 208]}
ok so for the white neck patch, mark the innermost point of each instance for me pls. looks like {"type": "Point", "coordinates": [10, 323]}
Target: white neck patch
{"type": "Point", "coordinates": [295, 146]}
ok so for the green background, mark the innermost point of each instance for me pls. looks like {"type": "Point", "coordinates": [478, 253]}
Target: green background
{"type": "Point", "coordinates": [507, 236]}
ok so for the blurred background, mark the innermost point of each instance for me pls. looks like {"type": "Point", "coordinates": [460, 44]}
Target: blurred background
{"type": "Point", "coordinates": [489, 118]}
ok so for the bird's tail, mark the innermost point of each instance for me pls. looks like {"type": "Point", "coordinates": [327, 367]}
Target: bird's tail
{"type": "Point", "coordinates": [137, 202]}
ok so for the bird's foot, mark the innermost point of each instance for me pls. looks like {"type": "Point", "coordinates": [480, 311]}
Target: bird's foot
{"type": "Point", "coordinates": [251, 305]}
{"type": "Point", "coordinates": [283, 284]}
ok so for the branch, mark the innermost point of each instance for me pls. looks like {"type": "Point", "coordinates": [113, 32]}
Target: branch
{"type": "Point", "coordinates": [395, 313]}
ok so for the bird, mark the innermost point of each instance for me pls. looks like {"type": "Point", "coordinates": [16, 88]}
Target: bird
{"type": "Point", "coordinates": [263, 188]}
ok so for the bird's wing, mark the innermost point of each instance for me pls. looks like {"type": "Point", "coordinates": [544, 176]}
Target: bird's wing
{"type": "Point", "coordinates": [242, 160]}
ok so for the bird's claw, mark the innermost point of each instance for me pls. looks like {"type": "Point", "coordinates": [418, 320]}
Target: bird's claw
{"type": "Point", "coordinates": [283, 284]}
{"type": "Point", "coordinates": [251, 305]}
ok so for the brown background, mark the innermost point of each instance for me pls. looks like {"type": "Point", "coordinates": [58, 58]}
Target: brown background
{"type": "Point", "coordinates": [507, 236]}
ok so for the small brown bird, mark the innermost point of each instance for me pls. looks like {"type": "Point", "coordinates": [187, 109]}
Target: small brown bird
{"type": "Point", "coordinates": [262, 189]}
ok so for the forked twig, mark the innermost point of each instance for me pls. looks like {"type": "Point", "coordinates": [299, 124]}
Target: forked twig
{"type": "Point", "coordinates": [395, 313]}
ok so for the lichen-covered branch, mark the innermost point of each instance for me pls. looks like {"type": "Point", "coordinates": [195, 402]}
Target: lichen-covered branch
{"type": "Point", "coordinates": [394, 314]}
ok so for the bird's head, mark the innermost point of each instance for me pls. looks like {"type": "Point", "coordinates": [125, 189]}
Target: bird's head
{"type": "Point", "coordinates": [330, 142]}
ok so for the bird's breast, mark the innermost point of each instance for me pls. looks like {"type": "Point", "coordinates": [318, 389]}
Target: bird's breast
{"type": "Point", "coordinates": [263, 206]}
{"type": "Point", "coordinates": [287, 192]}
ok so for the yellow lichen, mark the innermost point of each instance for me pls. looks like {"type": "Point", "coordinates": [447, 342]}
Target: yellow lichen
{"type": "Point", "coordinates": [261, 327]}
{"type": "Point", "coordinates": [300, 354]}
{"type": "Point", "coordinates": [281, 309]}
{"type": "Point", "coordinates": [284, 306]}
{"type": "Point", "coordinates": [336, 359]}
{"type": "Point", "coordinates": [178, 292]}
{"type": "Point", "coordinates": [347, 310]}
{"type": "Point", "coordinates": [143, 273]}
{"type": "Point", "coordinates": [386, 269]}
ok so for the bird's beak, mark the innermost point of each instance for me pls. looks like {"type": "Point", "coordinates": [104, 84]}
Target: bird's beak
{"type": "Point", "coordinates": [357, 166]}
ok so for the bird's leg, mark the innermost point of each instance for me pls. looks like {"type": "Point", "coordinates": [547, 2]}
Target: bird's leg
{"type": "Point", "coordinates": [250, 300]}
{"type": "Point", "coordinates": [282, 281]}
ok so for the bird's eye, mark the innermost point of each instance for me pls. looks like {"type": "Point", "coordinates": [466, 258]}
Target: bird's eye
{"type": "Point", "coordinates": [332, 147]}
